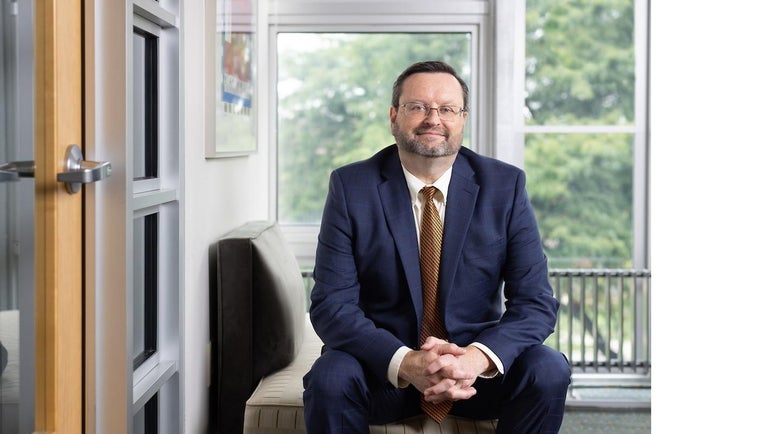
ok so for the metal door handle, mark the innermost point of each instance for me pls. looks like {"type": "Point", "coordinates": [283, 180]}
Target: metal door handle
{"type": "Point", "coordinates": [16, 169]}
{"type": "Point", "coordinates": [78, 171]}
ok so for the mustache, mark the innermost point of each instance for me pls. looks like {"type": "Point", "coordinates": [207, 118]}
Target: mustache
{"type": "Point", "coordinates": [441, 131]}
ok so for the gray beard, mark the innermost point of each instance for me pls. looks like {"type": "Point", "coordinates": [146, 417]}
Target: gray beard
{"type": "Point", "coordinates": [415, 147]}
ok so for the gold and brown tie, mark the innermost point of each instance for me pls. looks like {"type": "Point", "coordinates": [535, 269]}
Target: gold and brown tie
{"type": "Point", "coordinates": [430, 256]}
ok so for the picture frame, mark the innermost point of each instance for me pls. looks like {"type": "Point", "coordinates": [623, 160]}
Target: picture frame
{"type": "Point", "coordinates": [231, 71]}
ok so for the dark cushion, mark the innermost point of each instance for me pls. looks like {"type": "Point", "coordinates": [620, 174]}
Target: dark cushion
{"type": "Point", "coordinates": [258, 316]}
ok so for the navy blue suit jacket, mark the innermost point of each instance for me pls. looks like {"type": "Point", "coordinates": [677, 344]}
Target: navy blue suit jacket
{"type": "Point", "coordinates": [493, 283]}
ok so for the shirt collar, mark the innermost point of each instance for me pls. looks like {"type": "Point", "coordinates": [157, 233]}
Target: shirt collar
{"type": "Point", "coordinates": [415, 185]}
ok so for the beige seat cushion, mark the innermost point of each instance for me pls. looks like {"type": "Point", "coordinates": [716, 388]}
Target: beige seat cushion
{"type": "Point", "coordinates": [275, 407]}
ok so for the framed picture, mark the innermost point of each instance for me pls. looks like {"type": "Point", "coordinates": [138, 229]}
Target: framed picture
{"type": "Point", "coordinates": [231, 114]}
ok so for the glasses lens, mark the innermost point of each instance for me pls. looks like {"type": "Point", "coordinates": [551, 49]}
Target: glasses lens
{"type": "Point", "coordinates": [446, 113]}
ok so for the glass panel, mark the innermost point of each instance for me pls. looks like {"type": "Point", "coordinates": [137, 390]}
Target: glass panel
{"type": "Point", "coordinates": [17, 217]}
{"type": "Point", "coordinates": [145, 287]}
{"type": "Point", "coordinates": [139, 287]}
{"type": "Point", "coordinates": [581, 187]}
{"type": "Point", "coordinates": [334, 92]}
{"type": "Point", "coordinates": [580, 62]}
{"type": "Point", "coordinates": [139, 106]}
{"type": "Point", "coordinates": [146, 419]}
{"type": "Point", "coordinates": [139, 420]}
{"type": "Point", "coordinates": [145, 126]}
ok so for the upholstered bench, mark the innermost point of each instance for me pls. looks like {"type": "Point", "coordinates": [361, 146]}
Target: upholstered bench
{"type": "Point", "coordinates": [263, 343]}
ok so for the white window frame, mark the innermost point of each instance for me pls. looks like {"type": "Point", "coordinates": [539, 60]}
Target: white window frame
{"type": "Point", "coordinates": [157, 374]}
{"type": "Point", "coordinates": [366, 16]}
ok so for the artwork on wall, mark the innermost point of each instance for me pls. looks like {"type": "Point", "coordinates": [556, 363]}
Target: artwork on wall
{"type": "Point", "coordinates": [231, 78]}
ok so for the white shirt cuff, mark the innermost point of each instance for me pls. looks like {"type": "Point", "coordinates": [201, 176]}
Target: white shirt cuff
{"type": "Point", "coordinates": [498, 369]}
{"type": "Point", "coordinates": [395, 365]}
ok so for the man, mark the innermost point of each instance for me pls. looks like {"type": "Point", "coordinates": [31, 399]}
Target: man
{"type": "Point", "coordinates": [495, 306]}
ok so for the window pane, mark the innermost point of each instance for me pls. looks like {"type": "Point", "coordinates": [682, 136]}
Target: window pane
{"type": "Point", "coordinates": [146, 419]}
{"type": "Point", "coordinates": [334, 92]}
{"type": "Point", "coordinates": [581, 187]}
{"type": "Point", "coordinates": [580, 62]}
{"type": "Point", "coordinates": [145, 287]}
{"type": "Point", "coordinates": [145, 95]}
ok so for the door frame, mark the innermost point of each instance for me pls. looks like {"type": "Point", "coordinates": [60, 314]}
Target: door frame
{"type": "Point", "coordinates": [108, 387]}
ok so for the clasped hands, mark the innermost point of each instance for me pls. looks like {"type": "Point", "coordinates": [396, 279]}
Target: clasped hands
{"type": "Point", "coordinates": [444, 371]}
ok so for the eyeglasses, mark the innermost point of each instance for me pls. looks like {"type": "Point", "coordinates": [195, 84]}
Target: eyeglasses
{"type": "Point", "coordinates": [421, 111]}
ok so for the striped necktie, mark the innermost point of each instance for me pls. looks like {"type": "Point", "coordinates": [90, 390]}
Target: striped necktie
{"type": "Point", "coordinates": [430, 257]}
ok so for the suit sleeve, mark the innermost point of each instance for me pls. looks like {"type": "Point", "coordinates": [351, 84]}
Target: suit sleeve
{"type": "Point", "coordinates": [530, 310]}
{"type": "Point", "coordinates": [334, 311]}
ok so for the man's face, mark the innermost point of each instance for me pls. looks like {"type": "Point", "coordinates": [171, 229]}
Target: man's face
{"type": "Point", "coordinates": [429, 136]}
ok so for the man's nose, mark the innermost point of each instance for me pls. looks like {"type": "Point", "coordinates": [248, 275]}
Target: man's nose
{"type": "Point", "coordinates": [432, 118]}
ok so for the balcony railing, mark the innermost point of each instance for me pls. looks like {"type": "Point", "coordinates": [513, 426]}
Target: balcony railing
{"type": "Point", "coordinates": [604, 321]}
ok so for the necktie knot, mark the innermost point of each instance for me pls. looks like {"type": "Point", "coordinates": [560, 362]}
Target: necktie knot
{"type": "Point", "coordinates": [431, 234]}
{"type": "Point", "coordinates": [428, 192]}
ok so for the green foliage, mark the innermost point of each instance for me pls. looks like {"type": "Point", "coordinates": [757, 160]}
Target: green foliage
{"type": "Point", "coordinates": [580, 71]}
{"type": "Point", "coordinates": [581, 188]}
{"type": "Point", "coordinates": [580, 62]}
{"type": "Point", "coordinates": [334, 95]}
{"type": "Point", "coordinates": [336, 110]}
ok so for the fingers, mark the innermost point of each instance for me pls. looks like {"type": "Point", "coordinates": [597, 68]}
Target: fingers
{"type": "Point", "coordinates": [445, 375]}
{"type": "Point", "coordinates": [446, 366]}
{"type": "Point", "coordinates": [449, 366]}
{"type": "Point", "coordinates": [441, 346]}
{"type": "Point", "coordinates": [448, 390]}
{"type": "Point", "coordinates": [431, 343]}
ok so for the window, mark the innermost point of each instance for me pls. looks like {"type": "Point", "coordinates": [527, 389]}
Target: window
{"type": "Point", "coordinates": [562, 93]}
{"type": "Point", "coordinates": [145, 104]}
{"type": "Point", "coordinates": [146, 419]}
{"type": "Point", "coordinates": [153, 327]}
{"type": "Point", "coordinates": [334, 93]}
{"type": "Point", "coordinates": [145, 287]}
{"type": "Point", "coordinates": [581, 129]}
{"type": "Point", "coordinates": [333, 76]}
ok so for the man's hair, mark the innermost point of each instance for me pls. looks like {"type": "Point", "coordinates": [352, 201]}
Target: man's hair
{"type": "Point", "coordinates": [429, 66]}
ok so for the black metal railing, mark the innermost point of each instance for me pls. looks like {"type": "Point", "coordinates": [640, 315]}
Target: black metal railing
{"type": "Point", "coordinates": [604, 320]}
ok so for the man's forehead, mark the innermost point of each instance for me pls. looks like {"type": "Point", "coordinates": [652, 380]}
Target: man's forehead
{"type": "Point", "coordinates": [432, 82]}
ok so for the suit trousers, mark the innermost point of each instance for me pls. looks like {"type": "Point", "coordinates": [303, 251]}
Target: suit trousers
{"type": "Point", "coordinates": [342, 397]}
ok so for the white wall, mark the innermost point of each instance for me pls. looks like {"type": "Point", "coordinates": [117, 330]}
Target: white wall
{"type": "Point", "coordinates": [219, 195]}
{"type": "Point", "coordinates": [710, 232]}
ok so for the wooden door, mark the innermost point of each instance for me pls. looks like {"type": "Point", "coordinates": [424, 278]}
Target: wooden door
{"type": "Point", "coordinates": [58, 220]}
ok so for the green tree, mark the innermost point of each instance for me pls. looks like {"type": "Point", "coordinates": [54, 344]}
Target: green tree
{"type": "Point", "coordinates": [580, 62]}
{"type": "Point", "coordinates": [335, 92]}
{"type": "Point", "coordinates": [580, 71]}
{"type": "Point", "coordinates": [580, 186]}
{"type": "Point", "coordinates": [334, 95]}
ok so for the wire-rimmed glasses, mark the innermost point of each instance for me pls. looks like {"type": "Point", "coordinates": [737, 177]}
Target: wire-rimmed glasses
{"type": "Point", "coordinates": [420, 110]}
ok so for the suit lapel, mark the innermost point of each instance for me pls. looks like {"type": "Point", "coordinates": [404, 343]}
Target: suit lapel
{"type": "Point", "coordinates": [397, 207]}
{"type": "Point", "coordinates": [461, 202]}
